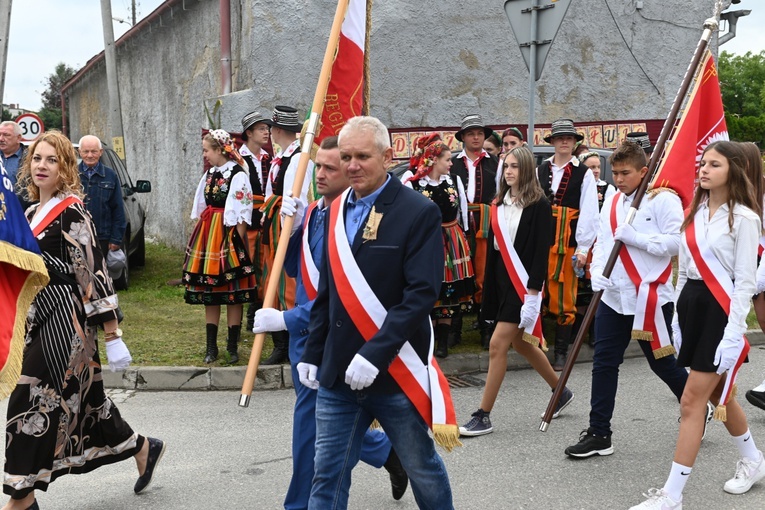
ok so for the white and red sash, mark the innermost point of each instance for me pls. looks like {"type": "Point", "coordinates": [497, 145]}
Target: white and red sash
{"type": "Point", "coordinates": [308, 269]}
{"type": "Point", "coordinates": [518, 274]}
{"type": "Point", "coordinates": [649, 323]}
{"type": "Point", "coordinates": [424, 384]}
{"type": "Point", "coordinates": [717, 279]}
{"type": "Point", "coordinates": [50, 211]}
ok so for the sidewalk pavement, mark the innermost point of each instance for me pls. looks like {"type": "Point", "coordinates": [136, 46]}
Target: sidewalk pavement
{"type": "Point", "coordinates": [272, 377]}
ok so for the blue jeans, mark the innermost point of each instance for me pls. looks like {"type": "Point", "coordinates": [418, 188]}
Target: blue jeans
{"type": "Point", "coordinates": [343, 417]}
{"type": "Point", "coordinates": [374, 449]}
{"type": "Point", "coordinates": [613, 332]}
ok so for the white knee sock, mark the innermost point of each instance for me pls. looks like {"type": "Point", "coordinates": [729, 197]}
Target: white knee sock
{"type": "Point", "coordinates": [746, 445]}
{"type": "Point", "coordinates": [675, 484]}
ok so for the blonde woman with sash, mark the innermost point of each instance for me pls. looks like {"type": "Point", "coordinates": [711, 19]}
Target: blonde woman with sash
{"type": "Point", "coordinates": [516, 268]}
{"type": "Point", "coordinates": [715, 285]}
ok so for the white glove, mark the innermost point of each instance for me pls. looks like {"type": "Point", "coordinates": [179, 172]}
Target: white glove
{"type": "Point", "coordinates": [307, 375]}
{"type": "Point", "coordinates": [292, 207]}
{"type": "Point", "coordinates": [728, 351]}
{"type": "Point", "coordinates": [677, 337]}
{"type": "Point", "coordinates": [761, 276]}
{"type": "Point", "coordinates": [627, 234]}
{"type": "Point", "coordinates": [529, 311]}
{"type": "Point", "coordinates": [361, 373]}
{"type": "Point", "coordinates": [268, 319]}
{"type": "Point", "coordinates": [599, 282]}
{"type": "Point", "coordinates": [117, 355]}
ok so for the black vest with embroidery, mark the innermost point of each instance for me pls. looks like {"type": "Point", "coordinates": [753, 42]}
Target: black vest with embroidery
{"type": "Point", "coordinates": [278, 186]}
{"type": "Point", "coordinates": [569, 191]}
{"type": "Point", "coordinates": [485, 175]}
{"type": "Point", "coordinates": [256, 190]}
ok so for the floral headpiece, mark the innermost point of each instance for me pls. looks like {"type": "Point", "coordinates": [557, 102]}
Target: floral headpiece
{"type": "Point", "coordinates": [227, 143]}
{"type": "Point", "coordinates": [428, 149]}
{"type": "Point", "coordinates": [588, 155]}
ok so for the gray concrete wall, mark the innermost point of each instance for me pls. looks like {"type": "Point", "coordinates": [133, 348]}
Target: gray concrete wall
{"type": "Point", "coordinates": [432, 62]}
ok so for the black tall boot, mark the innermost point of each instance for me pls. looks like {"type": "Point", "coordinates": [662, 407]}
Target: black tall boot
{"type": "Point", "coordinates": [232, 343]}
{"type": "Point", "coordinates": [251, 309]}
{"type": "Point", "coordinates": [442, 339]}
{"type": "Point", "coordinates": [455, 331]}
{"type": "Point", "coordinates": [212, 343]}
{"type": "Point", "coordinates": [562, 339]}
{"type": "Point", "coordinates": [281, 351]}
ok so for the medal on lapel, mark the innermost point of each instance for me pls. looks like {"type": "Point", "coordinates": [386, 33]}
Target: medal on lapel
{"type": "Point", "coordinates": [373, 222]}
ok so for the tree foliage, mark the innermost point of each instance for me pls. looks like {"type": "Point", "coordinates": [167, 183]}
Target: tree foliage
{"type": "Point", "coordinates": [51, 96]}
{"type": "Point", "coordinates": [742, 83]}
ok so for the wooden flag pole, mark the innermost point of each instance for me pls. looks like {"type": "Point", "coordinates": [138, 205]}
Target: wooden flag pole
{"type": "Point", "coordinates": [710, 26]}
{"type": "Point", "coordinates": [269, 300]}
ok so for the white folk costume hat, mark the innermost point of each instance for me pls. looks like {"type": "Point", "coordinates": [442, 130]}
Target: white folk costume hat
{"type": "Point", "coordinates": [472, 121]}
{"type": "Point", "coordinates": [640, 138]}
{"type": "Point", "coordinates": [251, 119]}
{"type": "Point", "coordinates": [285, 117]}
{"type": "Point", "coordinates": [563, 127]}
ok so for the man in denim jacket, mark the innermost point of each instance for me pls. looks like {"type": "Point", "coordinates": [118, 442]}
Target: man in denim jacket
{"type": "Point", "coordinates": [103, 195]}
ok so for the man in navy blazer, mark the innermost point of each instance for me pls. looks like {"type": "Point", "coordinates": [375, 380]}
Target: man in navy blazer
{"type": "Point", "coordinates": [394, 234]}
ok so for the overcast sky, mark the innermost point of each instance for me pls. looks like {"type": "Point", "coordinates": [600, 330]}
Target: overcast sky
{"type": "Point", "coordinates": [46, 32]}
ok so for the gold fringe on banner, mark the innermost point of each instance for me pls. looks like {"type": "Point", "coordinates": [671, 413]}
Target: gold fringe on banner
{"type": "Point", "coordinates": [446, 436]}
{"type": "Point", "coordinates": [721, 412]}
{"type": "Point", "coordinates": [36, 280]}
{"type": "Point", "coordinates": [531, 339]}
{"type": "Point", "coordinates": [375, 425]}
{"type": "Point", "coordinates": [639, 334]}
{"type": "Point", "coordinates": [661, 352]}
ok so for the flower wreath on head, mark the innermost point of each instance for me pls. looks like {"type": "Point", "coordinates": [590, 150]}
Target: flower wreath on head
{"type": "Point", "coordinates": [228, 145]}
{"type": "Point", "coordinates": [587, 155]}
{"type": "Point", "coordinates": [429, 148]}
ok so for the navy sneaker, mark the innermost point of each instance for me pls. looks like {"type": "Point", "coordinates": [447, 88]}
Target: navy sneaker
{"type": "Point", "coordinates": [478, 425]}
{"type": "Point", "coordinates": [565, 399]}
{"type": "Point", "coordinates": [590, 444]}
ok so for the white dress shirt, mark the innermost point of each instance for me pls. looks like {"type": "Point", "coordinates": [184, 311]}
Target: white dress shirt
{"type": "Point", "coordinates": [289, 176]}
{"type": "Point", "coordinates": [657, 224]}
{"type": "Point", "coordinates": [245, 151]}
{"type": "Point", "coordinates": [587, 226]}
{"type": "Point", "coordinates": [736, 249]}
{"type": "Point", "coordinates": [470, 165]}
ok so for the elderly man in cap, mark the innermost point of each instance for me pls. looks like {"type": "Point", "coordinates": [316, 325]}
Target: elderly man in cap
{"type": "Point", "coordinates": [255, 134]}
{"type": "Point", "coordinates": [285, 124]}
{"type": "Point", "coordinates": [478, 170]}
{"type": "Point", "coordinates": [570, 187]}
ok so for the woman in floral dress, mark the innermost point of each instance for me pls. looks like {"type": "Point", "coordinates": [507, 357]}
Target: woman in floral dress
{"type": "Point", "coordinates": [431, 165]}
{"type": "Point", "coordinates": [59, 418]}
{"type": "Point", "coordinates": [218, 270]}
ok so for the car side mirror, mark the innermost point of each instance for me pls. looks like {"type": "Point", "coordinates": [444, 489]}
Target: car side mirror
{"type": "Point", "coordinates": [142, 187]}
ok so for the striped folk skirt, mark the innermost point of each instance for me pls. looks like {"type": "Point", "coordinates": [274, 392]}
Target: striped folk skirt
{"type": "Point", "coordinates": [217, 269]}
{"type": "Point", "coordinates": [459, 279]}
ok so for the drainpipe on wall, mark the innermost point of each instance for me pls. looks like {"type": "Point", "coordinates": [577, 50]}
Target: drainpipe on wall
{"type": "Point", "coordinates": [225, 46]}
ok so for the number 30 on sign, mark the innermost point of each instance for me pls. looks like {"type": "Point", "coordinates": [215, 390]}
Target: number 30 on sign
{"type": "Point", "coordinates": [31, 126]}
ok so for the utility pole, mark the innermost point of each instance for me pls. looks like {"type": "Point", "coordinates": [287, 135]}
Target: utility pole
{"type": "Point", "coordinates": [114, 119]}
{"type": "Point", "coordinates": [5, 28]}
{"type": "Point", "coordinates": [133, 13]}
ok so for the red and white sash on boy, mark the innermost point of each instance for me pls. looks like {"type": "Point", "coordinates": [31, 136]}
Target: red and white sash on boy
{"type": "Point", "coordinates": [518, 274]}
{"type": "Point", "coordinates": [720, 284]}
{"type": "Point", "coordinates": [50, 211]}
{"type": "Point", "coordinates": [649, 323]}
{"type": "Point", "coordinates": [308, 269]}
{"type": "Point", "coordinates": [424, 384]}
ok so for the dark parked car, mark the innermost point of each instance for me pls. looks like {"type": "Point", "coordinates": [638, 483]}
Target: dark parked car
{"type": "Point", "coordinates": [134, 242]}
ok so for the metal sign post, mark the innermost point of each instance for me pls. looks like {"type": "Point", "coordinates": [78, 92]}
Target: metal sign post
{"type": "Point", "coordinates": [535, 36]}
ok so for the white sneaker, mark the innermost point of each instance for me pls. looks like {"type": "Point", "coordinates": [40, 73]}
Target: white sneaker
{"type": "Point", "coordinates": [710, 414]}
{"type": "Point", "coordinates": [748, 472]}
{"type": "Point", "coordinates": [658, 499]}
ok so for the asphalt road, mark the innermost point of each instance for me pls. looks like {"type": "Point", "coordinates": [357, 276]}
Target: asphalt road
{"type": "Point", "coordinates": [223, 456]}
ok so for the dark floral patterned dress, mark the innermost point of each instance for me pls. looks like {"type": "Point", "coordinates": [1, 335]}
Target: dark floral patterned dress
{"type": "Point", "coordinates": [458, 285]}
{"type": "Point", "coordinates": [59, 418]}
{"type": "Point", "coordinates": [218, 270]}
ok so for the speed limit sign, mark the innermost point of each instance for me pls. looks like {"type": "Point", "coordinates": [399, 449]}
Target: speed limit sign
{"type": "Point", "coordinates": [31, 126]}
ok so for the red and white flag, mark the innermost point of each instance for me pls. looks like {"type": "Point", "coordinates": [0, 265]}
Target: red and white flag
{"type": "Point", "coordinates": [345, 93]}
{"type": "Point", "coordinates": [702, 123]}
